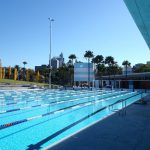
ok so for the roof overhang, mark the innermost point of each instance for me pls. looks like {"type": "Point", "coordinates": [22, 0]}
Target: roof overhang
{"type": "Point", "coordinates": [140, 11]}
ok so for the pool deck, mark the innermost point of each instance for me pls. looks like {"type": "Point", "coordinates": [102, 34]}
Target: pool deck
{"type": "Point", "coordinates": [128, 132]}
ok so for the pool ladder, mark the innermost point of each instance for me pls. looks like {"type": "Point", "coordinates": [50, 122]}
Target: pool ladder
{"type": "Point", "coordinates": [122, 110]}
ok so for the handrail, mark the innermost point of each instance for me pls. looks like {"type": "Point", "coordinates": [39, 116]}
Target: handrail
{"type": "Point", "coordinates": [123, 100]}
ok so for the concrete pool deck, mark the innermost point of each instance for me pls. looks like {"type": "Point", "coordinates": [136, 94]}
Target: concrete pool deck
{"type": "Point", "coordinates": [130, 132]}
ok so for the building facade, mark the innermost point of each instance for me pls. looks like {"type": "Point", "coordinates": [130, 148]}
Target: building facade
{"type": "Point", "coordinates": [131, 81]}
{"type": "Point", "coordinates": [83, 72]}
{"type": "Point", "coordinates": [57, 62]}
{"type": "Point", "coordinates": [40, 68]}
{"type": "Point", "coordinates": [127, 70]}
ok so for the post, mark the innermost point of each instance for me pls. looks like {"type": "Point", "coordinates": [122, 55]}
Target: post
{"type": "Point", "coordinates": [50, 19]}
{"type": "Point", "coordinates": [88, 73]}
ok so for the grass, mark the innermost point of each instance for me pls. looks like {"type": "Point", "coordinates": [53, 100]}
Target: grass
{"type": "Point", "coordinates": [9, 81]}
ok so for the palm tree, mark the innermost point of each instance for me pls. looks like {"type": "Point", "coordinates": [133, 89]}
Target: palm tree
{"type": "Point", "coordinates": [24, 63]}
{"type": "Point", "coordinates": [98, 60]}
{"type": "Point", "coordinates": [101, 70]}
{"type": "Point", "coordinates": [114, 68]}
{"type": "Point", "coordinates": [126, 63]}
{"type": "Point", "coordinates": [109, 60]}
{"type": "Point", "coordinates": [72, 57]}
{"type": "Point", "coordinates": [88, 55]}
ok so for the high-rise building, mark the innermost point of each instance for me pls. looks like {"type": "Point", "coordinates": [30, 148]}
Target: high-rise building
{"type": "Point", "coordinates": [61, 59]}
{"type": "Point", "coordinates": [57, 61]}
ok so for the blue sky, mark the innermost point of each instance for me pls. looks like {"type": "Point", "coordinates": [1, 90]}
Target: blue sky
{"type": "Point", "coordinates": [103, 26]}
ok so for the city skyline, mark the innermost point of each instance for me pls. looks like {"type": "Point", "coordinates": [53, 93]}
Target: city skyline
{"type": "Point", "coordinates": [104, 27]}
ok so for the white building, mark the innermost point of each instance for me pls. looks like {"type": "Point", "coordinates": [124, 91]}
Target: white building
{"type": "Point", "coordinates": [127, 70]}
{"type": "Point", "coordinates": [57, 62]}
{"type": "Point", "coordinates": [83, 72]}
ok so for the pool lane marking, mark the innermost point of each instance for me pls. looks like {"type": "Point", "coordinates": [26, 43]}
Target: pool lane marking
{"type": "Point", "coordinates": [3, 126]}
{"type": "Point", "coordinates": [40, 96]}
{"type": "Point", "coordinates": [47, 94]}
{"type": "Point", "coordinates": [24, 102]}
{"type": "Point", "coordinates": [44, 105]}
{"type": "Point", "coordinates": [21, 121]}
{"type": "Point", "coordinates": [43, 141]}
{"type": "Point", "coordinates": [38, 145]}
{"type": "Point", "coordinates": [21, 102]}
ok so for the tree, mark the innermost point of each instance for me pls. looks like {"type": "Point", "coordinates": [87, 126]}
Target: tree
{"type": "Point", "coordinates": [24, 63]}
{"type": "Point", "coordinates": [18, 70]}
{"type": "Point", "coordinates": [143, 68]}
{"type": "Point", "coordinates": [98, 60]}
{"type": "Point", "coordinates": [27, 75]}
{"type": "Point", "coordinates": [88, 55]}
{"type": "Point", "coordinates": [31, 73]}
{"type": "Point", "coordinates": [101, 69]}
{"type": "Point", "coordinates": [114, 68]}
{"type": "Point", "coordinates": [37, 76]}
{"type": "Point", "coordinates": [109, 60]}
{"type": "Point", "coordinates": [63, 75]}
{"type": "Point", "coordinates": [9, 72]}
{"type": "Point", "coordinates": [17, 67]}
{"type": "Point", "coordinates": [1, 73]}
{"type": "Point", "coordinates": [72, 57]}
{"type": "Point", "coordinates": [126, 63]}
{"type": "Point", "coordinates": [15, 74]}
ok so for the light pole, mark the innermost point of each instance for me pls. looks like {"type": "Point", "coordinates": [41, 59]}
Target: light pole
{"type": "Point", "coordinates": [50, 21]}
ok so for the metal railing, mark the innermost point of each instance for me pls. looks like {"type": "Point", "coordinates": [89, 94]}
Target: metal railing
{"type": "Point", "coordinates": [122, 110]}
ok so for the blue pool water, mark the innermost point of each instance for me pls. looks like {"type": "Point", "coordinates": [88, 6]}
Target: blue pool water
{"type": "Point", "coordinates": [35, 119]}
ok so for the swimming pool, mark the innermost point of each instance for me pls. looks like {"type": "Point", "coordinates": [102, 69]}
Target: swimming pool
{"type": "Point", "coordinates": [35, 119]}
